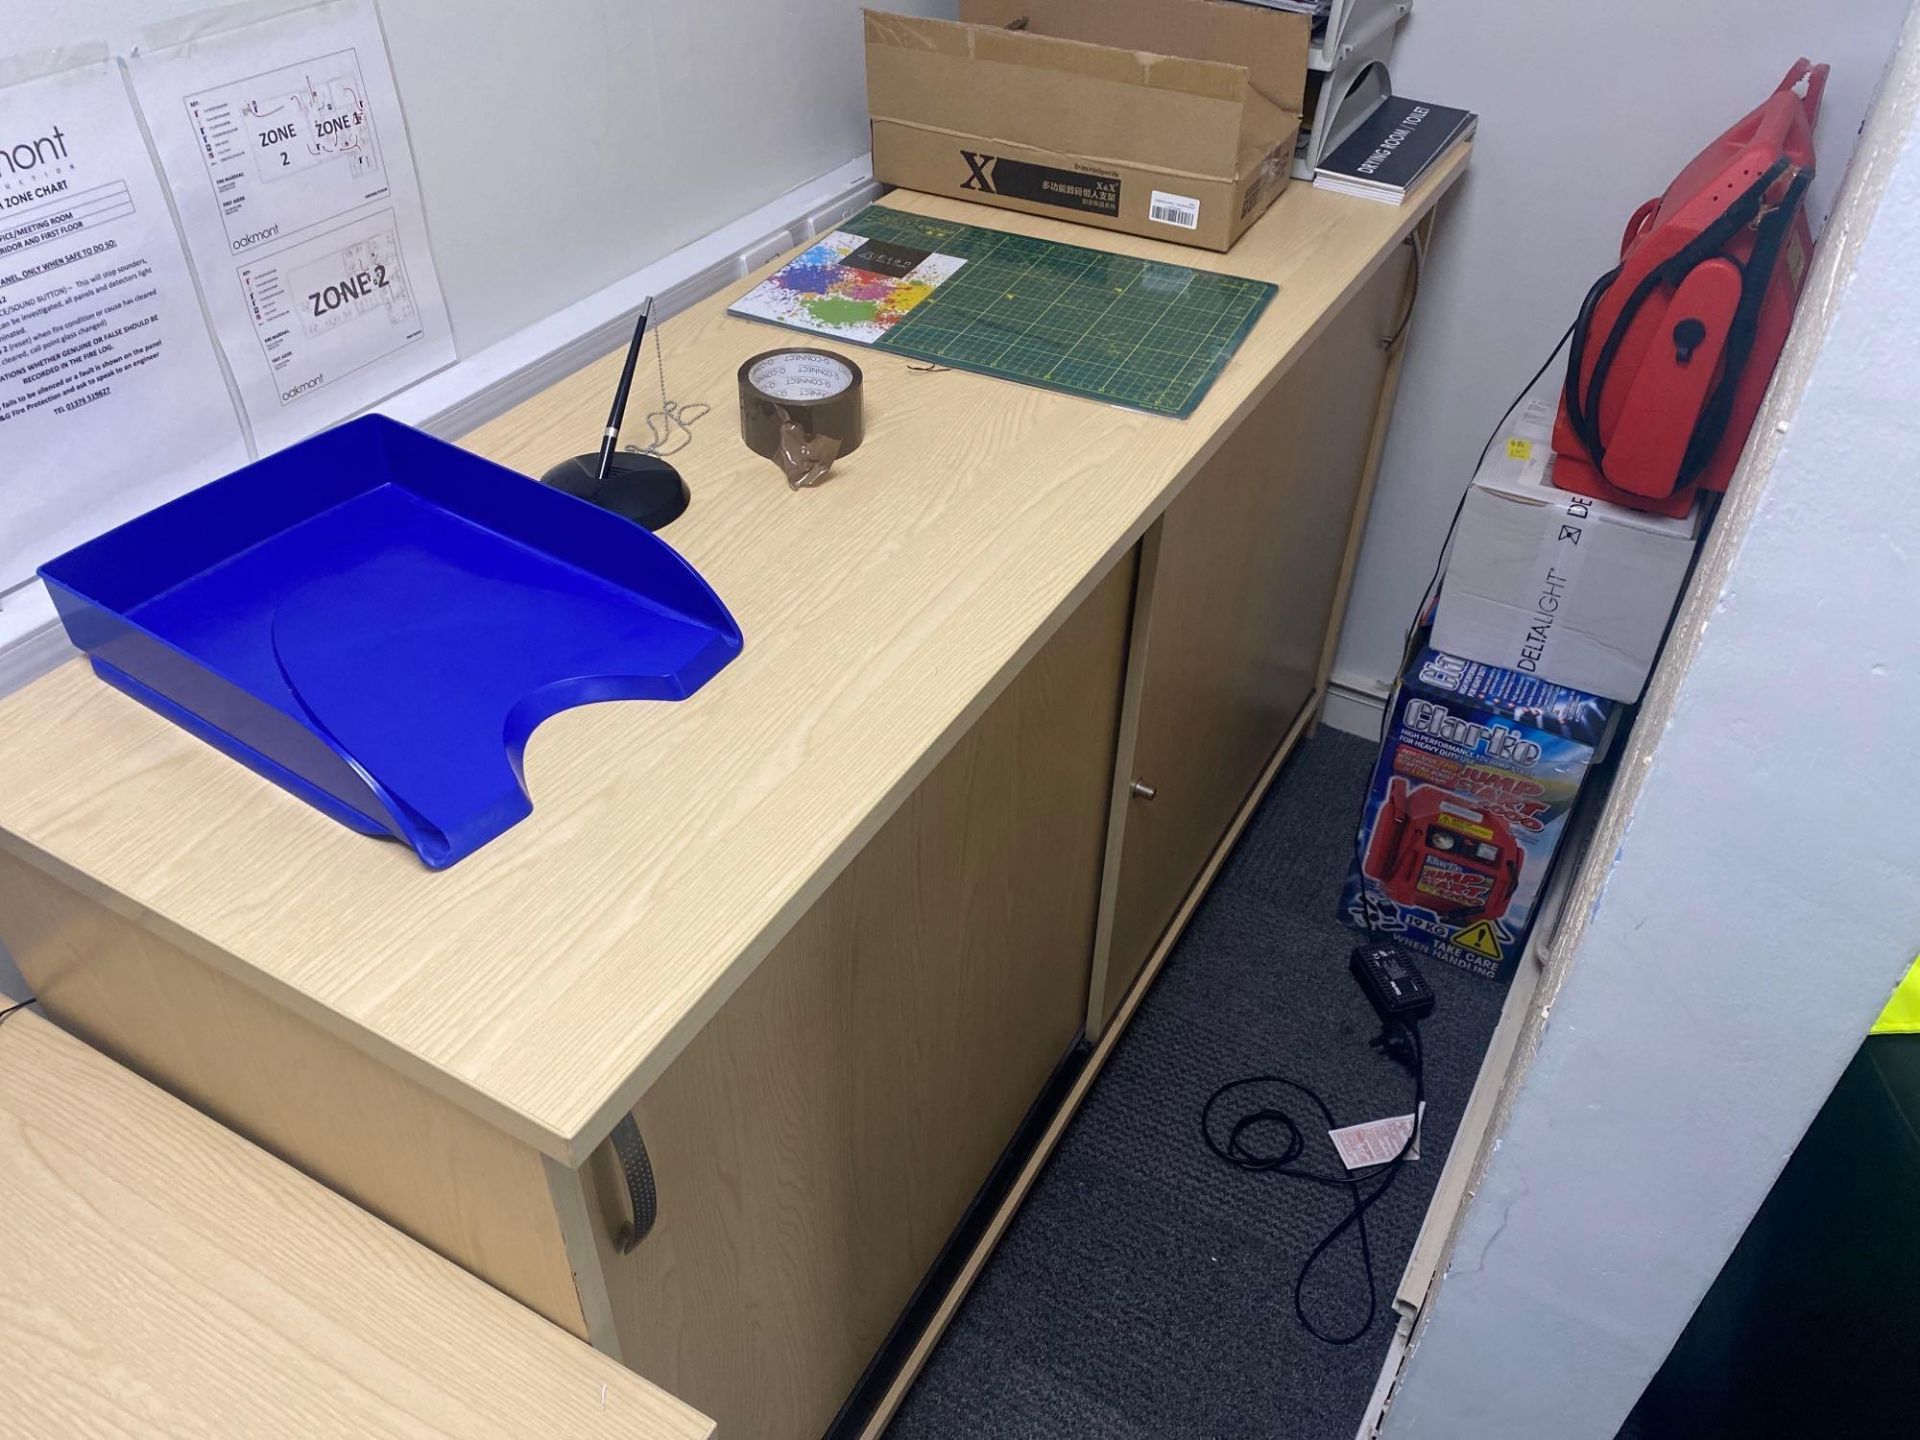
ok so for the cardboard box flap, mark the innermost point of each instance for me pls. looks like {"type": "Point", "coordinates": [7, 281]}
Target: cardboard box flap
{"type": "Point", "coordinates": [1173, 113]}
{"type": "Point", "coordinates": [1531, 484]}
{"type": "Point", "coordinates": [1267, 134]}
{"type": "Point", "coordinates": [1213, 79]}
{"type": "Point", "coordinates": [1271, 45]}
{"type": "Point", "coordinates": [1144, 68]}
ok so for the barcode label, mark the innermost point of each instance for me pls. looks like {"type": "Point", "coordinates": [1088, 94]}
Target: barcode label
{"type": "Point", "coordinates": [1181, 210]}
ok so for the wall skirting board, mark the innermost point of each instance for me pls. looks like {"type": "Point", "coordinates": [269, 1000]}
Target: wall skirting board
{"type": "Point", "coordinates": [31, 640]}
{"type": "Point", "coordinates": [1353, 705]}
{"type": "Point", "coordinates": [494, 380]}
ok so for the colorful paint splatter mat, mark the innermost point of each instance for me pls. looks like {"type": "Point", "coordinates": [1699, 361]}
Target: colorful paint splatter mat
{"type": "Point", "coordinates": [1131, 332]}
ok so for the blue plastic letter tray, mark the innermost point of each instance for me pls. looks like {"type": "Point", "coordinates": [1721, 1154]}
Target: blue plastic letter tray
{"type": "Point", "coordinates": [377, 620]}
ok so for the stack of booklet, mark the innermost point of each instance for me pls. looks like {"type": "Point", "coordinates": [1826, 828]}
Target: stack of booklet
{"type": "Point", "coordinates": [1392, 148]}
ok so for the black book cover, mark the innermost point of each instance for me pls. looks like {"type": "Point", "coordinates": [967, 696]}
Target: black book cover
{"type": "Point", "coordinates": [1394, 146]}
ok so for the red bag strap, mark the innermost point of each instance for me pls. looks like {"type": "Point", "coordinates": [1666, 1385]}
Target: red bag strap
{"type": "Point", "coordinates": [1637, 225]}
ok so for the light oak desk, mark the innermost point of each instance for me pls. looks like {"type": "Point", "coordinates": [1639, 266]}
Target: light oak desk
{"type": "Point", "coordinates": [159, 1276]}
{"type": "Point", "coordinates": [1013, 678]}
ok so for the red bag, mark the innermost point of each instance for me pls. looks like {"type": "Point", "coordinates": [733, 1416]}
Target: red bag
{"type": "Point", "coordinates": [1673, 349]}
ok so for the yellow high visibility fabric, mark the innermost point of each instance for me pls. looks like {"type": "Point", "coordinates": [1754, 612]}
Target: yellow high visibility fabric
{"type": "Point", "coordinates": [1902, 1015]}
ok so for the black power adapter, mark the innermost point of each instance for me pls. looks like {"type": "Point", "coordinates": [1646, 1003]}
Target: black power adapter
{"type": "Point", "coordinates": [1398, 991]}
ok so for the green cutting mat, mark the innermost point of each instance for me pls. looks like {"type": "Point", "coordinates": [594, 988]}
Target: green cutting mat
{"type": "Point", "coordinates": [1111, 327]}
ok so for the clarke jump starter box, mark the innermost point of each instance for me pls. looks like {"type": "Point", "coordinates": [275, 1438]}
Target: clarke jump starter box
{"type": "Point", "coordinates": [1478, 772]}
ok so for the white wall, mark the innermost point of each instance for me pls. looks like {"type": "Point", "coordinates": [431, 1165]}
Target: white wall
{"type": "Point", "coordinates": [563, 144]}
{"type": "Point", "coordinates": [1586, 110]}
{"type": "Point", "coordinates": [1757, 895]}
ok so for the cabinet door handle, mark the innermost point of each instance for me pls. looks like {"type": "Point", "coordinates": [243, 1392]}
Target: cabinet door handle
{"type": "Point", "coordinates": [1142, 790]}
{"type": "Point", "coordinates": [642, 1199]}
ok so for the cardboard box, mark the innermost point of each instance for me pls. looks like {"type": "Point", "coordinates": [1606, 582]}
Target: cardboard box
{"type": "Point", "coordinates": [1476, 777]}
{"type": "Point", "coordinates": [1168, 118]}
{"type": "Point", "coordinates": [1555, 585]}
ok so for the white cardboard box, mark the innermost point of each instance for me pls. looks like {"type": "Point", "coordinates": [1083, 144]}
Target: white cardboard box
{"type": "Point", "coordinates": [1546, 582]}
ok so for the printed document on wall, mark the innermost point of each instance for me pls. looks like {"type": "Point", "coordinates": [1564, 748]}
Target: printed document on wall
{"type": "Point", "coordinates": [111, 398]}
{"type": "Point", "coordinates": [289, 162]}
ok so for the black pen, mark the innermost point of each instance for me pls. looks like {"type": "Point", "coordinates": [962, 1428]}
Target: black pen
{"type": "Point", "coordinates": [611, 438]}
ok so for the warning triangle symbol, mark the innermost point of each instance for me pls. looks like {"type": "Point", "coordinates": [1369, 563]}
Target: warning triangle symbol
{"type": "Point", "coordinates": [1479, 936]}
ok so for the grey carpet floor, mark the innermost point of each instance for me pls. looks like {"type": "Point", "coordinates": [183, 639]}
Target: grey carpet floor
{"type": "Point", "coordinates": [1146, 1289]}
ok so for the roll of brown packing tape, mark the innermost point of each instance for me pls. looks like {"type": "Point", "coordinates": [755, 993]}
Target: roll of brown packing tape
{"type": "Point", "coordinates": [801, 409]}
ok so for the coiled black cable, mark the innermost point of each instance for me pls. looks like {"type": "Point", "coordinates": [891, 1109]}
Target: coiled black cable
{"type": "Point", "coordinates": [1401, 1042]}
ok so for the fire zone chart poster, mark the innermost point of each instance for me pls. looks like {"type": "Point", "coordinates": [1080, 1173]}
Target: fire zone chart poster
{"type": "Point", "coordinates": [284, 146]}
{"type": "Point", "coordinates": [111, 399]}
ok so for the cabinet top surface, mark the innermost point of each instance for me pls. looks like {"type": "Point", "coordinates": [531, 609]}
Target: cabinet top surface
{"type": "Point", "coordinates": [164, 1276]}
{"type": "Point", "coordinates": [545, 981]}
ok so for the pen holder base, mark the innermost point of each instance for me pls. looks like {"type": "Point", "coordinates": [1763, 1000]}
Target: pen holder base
{"type": "Point", "coordinates": [642, 488]}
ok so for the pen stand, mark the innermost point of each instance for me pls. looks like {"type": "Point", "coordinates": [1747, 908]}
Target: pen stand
{"type": "Point", "coordinates": [642, 488]}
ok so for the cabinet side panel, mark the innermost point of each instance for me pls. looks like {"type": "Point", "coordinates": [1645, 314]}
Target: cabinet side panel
{"type": "Point", "coordinates": [818, 1142]}
{"type": "Point", "coordinates": [417, 1161]}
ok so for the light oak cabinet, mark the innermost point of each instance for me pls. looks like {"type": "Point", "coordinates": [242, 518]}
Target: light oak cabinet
{"type": "Point", "coordinates": [164, 1277]}
{"type": "Point", "coordinates": [1239, 583]}
{"type": "Point", "coordinates": [813, 1147]}
{"type": "Point", "coordinates": [821, 1138]}
{"type": "Point", "coordinates": [825, 931]}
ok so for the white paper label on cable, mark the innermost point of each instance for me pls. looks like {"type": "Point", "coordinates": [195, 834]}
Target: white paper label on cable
{"type": "Point", "coordinates": [1375, 1142]}
{"type": "Point", "coordinates": [1181, 210]}
{"type": "Point", "coordinates": [111, 399]}
{"type": "Point", "coordinates": [289, 162]}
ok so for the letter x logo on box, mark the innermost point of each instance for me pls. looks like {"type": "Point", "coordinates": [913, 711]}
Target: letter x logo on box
{"type": "Point", "coordinates": [981, 172]}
